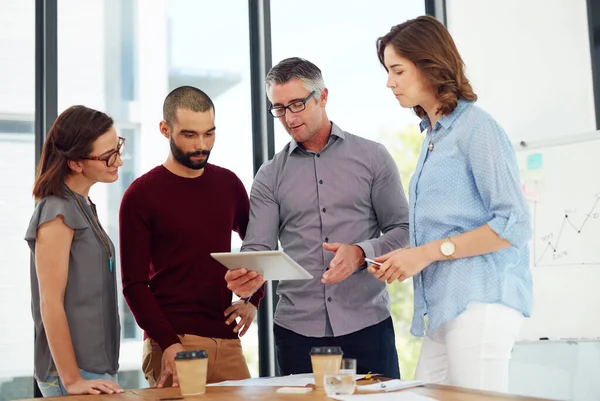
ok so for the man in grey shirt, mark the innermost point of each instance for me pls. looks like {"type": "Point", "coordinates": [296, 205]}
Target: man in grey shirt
{"type": "Point", "coordinates": [326, 189]}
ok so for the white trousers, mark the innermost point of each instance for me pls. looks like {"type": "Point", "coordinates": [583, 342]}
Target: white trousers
{"type": "Point", "coordinates": [472, 350]}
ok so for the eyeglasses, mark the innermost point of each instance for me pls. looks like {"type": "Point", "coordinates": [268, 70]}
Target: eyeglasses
{"type": "Point", "coordinates": [111, 157]}
{"type": "Point", "coordinates": [296, 107]}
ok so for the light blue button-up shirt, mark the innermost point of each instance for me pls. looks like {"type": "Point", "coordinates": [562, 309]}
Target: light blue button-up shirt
{"type": "Point", "coordinates": [468, 179]}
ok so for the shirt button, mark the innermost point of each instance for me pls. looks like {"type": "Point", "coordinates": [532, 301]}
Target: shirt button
{"type": "Point", "coordinates": [326, 239]}
{"type": "Point", "coordinates": [328, 299]}
{"type": "Point", "coordinates": [324, 210]}
{"type": "Point", "coordinates": [318, 155]}
{"type": "Point", "coordinates": [320, 181]}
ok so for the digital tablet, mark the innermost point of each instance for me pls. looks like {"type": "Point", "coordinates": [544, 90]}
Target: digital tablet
{"type": "Point", "coordinates": [272, 265]}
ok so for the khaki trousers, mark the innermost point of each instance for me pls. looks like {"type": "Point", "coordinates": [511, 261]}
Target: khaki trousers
{"type": "Point", "coordinates": [225, 358]}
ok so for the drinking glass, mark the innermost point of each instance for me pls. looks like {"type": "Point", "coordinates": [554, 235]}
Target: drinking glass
{"type": "Point", "coordinates": [342, 381]}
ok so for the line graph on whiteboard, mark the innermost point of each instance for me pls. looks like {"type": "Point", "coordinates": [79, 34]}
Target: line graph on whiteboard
{"type": "Point", "coordinates": [567, 236]}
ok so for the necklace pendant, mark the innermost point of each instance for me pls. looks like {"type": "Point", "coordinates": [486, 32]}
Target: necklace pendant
{"type": "Point", "coordinates": [430, 147]}
{"type": "Point", "coordinates": [110, 264]}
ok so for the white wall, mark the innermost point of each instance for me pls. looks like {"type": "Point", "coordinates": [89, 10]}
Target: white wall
{"type": "Point", "coordinates": [529, 62]}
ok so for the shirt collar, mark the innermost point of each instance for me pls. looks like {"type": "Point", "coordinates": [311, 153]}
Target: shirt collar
{"type": "Point", "coordinates": [336, 132]}
{"type": "Point", "coordinates": [446, 121]}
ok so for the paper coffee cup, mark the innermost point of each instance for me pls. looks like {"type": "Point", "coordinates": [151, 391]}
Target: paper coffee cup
{"type": "Point", "coordinates": [325, 359]}
{"type": "Point", "coordinates": [191, 370]}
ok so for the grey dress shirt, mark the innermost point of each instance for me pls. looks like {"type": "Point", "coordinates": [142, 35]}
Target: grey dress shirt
{"type": "Point", "coordinates": [349, 192]}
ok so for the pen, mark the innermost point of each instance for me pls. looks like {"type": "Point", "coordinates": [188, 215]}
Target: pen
{"type": "Point", "coordinates": [372, 262]}
{"type": "Point", "coordinates": [247, 299]}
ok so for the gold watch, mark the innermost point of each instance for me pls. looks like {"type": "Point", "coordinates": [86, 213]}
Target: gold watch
{"type": "Point", "coordinates": [448, 248]}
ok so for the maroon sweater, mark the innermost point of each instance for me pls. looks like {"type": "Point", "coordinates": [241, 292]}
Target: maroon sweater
{"type": "Point", "coordinates": [169, 225]}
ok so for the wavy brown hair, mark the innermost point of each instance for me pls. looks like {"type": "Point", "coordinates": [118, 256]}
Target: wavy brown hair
{"type": "Point", "coordinates": [71, 137]}
{"type": "Point", "coordinates": [428, 44]}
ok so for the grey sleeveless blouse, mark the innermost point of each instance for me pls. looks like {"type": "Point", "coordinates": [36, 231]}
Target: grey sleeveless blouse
{"type": "Point", "coordinates": [90, 296]}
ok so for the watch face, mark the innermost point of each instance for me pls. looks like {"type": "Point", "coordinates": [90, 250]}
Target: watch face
{"type": "Point", "coordinates": [447, 248]}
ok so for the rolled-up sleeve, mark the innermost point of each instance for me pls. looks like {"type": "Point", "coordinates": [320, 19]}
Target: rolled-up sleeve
{"type": "Point", "coordinates": [494, 167]}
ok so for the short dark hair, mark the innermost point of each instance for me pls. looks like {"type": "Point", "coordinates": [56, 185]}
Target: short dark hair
{"type": "Point", "coordinates": [71, 137]}
{"type": "Point", "coordinates": [185, 97]}
{"type": "Point", "coordinates": [427, 43]}
{"type": "Point", "coordinates": [296, 68]}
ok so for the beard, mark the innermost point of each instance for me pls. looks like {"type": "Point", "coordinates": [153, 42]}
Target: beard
{"type": "Point", "coordinates": [185, 159]}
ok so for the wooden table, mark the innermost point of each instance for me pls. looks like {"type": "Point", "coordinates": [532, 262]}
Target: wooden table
{"type": "Point", "coordinates": [438, 392]}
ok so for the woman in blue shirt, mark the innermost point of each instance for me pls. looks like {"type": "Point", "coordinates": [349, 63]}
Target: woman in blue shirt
{"type": "Point", "coordinates": [469, 221]}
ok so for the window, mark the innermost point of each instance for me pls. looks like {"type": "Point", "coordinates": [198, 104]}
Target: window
{"type": "Point", "coordinates": [17, 170]}
{"type": "Point", "coordinates": [342, 45]}
{"type": "Point", "coordinates": [214, 55]}
{"type": "Point", "coordinates": [124, 58]}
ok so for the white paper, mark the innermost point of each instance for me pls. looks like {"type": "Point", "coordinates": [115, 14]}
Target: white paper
{"type": "Point", "coordinates": [390, 385]}
{"type": "Point", "coordinates": [356, 377]}
{"type": "Point", "coordinates": [283, 381]}
{"type": "Point", "coordinates": [399, 396]}
{"type": "Point", "coordinates": [359, 377]}
{"type": "Point", "coordinates": [301, 380]}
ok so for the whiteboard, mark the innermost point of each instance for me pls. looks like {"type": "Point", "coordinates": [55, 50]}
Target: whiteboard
{"type": "Point", "coordinates": [561, 181]}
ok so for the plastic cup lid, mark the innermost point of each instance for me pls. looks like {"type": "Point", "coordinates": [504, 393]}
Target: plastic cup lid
{"type": "Point", "coordinates": [197, 354]}
{"type": "Point", "coordinates": [326, 351]}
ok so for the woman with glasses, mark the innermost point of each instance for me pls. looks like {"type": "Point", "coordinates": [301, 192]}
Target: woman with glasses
{"type": "Point", "coordinates": [469, 221]}
{"type": "Point", "coordinates": [73, 283]}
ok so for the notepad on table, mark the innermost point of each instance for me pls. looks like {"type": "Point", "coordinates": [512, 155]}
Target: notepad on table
{"type": "Point", "coordinates": [390, 385]}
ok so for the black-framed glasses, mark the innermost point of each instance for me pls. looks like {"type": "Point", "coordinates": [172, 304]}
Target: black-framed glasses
{"type": "Point", "coordinates": [295, 107]}
{"type": "Point", "coordinates": [110, 158]}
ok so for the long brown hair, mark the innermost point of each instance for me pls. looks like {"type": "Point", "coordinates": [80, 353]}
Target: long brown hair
{"type": "Point", "coordinates": [71, 138]}
{"type": "Point", "coordinates": [428, 44]}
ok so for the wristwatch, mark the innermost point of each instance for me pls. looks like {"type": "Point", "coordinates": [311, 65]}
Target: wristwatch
{"type": "Point", "coordinates": [448, 248]}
